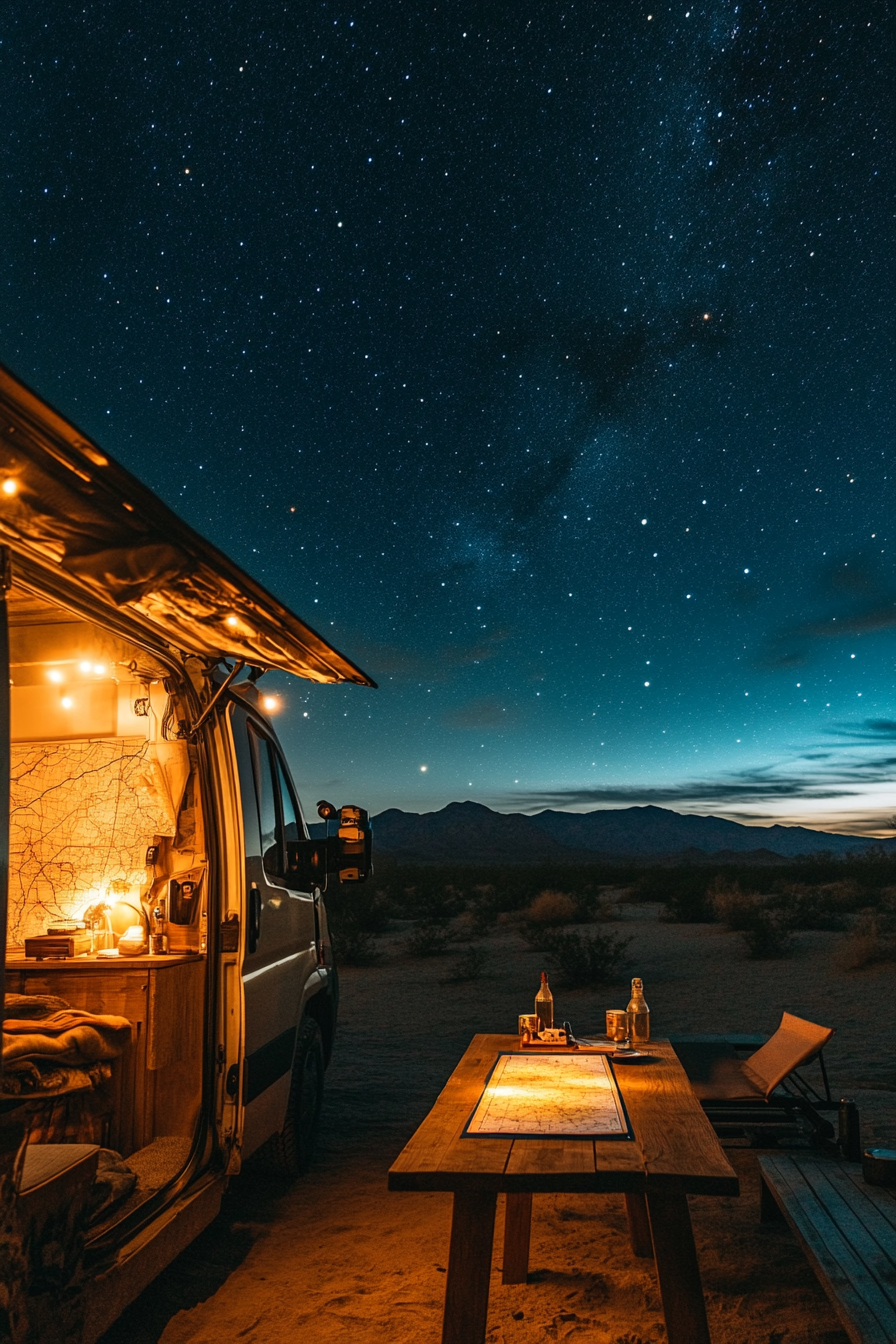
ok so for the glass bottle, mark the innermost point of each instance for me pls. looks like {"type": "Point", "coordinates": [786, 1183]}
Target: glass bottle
{"type": "Point", "coordinates": [544, 1005]}
{"type": "Point", "coordinates": [638, 1015]}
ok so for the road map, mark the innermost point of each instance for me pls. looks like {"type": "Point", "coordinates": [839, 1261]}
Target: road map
{"type": "Point", "coordinates": [550, 1096]}
{"type": "Point", "coordinates": [82, 814]}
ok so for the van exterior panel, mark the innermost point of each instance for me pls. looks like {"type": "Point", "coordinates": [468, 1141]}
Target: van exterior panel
{"type": "Point", "coordinates": [265, 1065]}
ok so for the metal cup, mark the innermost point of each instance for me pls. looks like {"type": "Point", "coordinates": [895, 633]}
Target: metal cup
{"type": "Point", "coordinates": [528, 1027]}
{"type": "Point", "coordinates": [617, 1024]}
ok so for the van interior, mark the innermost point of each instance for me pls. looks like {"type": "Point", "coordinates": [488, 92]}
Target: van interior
{"type": "Point", "coordinates": [106, 965]}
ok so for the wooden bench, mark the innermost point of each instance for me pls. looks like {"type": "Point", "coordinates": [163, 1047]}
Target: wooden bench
{"type": "Point", "coordinates": [848, 1232]}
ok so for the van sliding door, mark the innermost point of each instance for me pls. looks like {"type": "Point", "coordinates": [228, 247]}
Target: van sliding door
{"type": "Point", "coordinates": [280, 950]}
{"type": "Point", "coordinates": [5, 580]}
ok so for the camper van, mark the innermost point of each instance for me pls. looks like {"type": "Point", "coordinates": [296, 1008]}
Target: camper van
{"type": "Point", "coordinates": [170, 990]}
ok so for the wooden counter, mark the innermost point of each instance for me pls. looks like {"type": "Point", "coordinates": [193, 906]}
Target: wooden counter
{"type": "Point", "coordinates": [156, 1085]}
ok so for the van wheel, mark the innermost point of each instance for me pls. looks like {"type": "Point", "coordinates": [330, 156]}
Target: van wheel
{"type": "Point", "coordinates": [290, 1152]}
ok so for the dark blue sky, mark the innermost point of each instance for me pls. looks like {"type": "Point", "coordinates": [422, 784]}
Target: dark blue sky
{"type": "Point", "coordinates": [541, 355]}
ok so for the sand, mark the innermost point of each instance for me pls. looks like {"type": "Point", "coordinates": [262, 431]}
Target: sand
{"type": "Point", "coordinates": [336, 1258]}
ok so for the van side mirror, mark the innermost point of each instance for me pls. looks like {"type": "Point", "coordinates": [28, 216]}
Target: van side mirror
{"type": "Point", "coordinates": [355, 841]}
{"type": "Point", "coordinates": [347, 854]}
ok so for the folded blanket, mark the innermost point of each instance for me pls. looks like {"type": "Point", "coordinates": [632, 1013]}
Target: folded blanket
{"type": "Point", "coordinates": [70, 1036]}
{"type": "Point", "coordinates": [32, 1005]}
{"type": "Point", "coordinates": [22, 1078]}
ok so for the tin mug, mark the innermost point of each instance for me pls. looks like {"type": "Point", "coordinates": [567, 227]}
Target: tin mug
{"type": "Point", "coordinates": [617, 1024]}
{"type": "Point", "coordinates": [528, 1027]}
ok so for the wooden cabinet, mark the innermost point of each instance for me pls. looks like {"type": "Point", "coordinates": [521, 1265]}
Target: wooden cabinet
{"type": "Point", "coordinates": [156, 1085]}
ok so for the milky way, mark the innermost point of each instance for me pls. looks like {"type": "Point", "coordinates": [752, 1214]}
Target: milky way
{"type": "Point", "coordinates": [539, 355]}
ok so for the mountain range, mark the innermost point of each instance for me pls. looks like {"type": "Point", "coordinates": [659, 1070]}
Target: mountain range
{"type": "Point", "coordinates": [471, 833]}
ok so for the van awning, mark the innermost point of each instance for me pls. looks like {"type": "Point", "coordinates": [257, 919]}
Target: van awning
{"type": "Point", "coordinates": [65, 505]}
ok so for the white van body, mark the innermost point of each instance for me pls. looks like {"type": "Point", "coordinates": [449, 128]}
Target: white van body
{"type": "Point", "coordinates": [149, 797]}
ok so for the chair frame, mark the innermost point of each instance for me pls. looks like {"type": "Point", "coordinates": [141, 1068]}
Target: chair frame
{"type": "Point", "coordinates": [793, 1110]}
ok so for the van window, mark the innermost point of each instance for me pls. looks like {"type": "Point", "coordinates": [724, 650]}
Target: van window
{"type": "Point", "coordinates": [291, 828]}
{"type": "Point", "coordinates": [278, 811]}
{"type": "Point", "coordinates": [266, 792]}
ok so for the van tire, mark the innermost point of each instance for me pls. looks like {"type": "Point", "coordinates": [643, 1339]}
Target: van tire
{"type": "Point", "coordinates": [290, 1152]}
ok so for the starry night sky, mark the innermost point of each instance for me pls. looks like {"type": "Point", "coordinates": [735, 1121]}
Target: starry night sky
{"type": "Point", "coordinates": [540, 355]}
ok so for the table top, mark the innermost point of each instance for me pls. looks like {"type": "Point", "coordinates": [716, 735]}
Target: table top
{"type": "Point", "coordinates": [674, 1142]}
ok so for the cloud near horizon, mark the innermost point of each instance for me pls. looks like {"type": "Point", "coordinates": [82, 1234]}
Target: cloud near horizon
{"type": "Point", "coordinates": [845, 780]}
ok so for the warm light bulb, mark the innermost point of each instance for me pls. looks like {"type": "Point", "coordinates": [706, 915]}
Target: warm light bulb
{"type": "Point", "coordinates": [270, 703]}
{"type": "Point", "coordinates": [10, 487]}
{"type": "Point", "coordinates": [54, 675]}
{"type": "Point", "coordinates": [99, 669]}
{"type": "Point", "coordinates": [67, 702]}
{"type": "Point", "coordinates": [232, 621]}
{"type": "Point", "coordinates": [85, 667]}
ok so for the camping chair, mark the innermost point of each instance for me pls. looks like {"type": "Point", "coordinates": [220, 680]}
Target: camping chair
{"type": "Point", "coordinates": [763, 1097]}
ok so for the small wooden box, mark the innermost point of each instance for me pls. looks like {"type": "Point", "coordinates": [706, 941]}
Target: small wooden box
{"type": "Point", "coordinates": [57, 945]}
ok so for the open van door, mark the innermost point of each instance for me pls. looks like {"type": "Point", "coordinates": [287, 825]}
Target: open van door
{"type": "Point", "coordinates": [281, 951]}
{"type": "Point", "coordinates": [5, 582]}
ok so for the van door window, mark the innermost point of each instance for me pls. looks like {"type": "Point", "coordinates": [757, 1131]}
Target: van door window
{"type": "Point", "coordinates": [271, 831]}
{"type": "Point", "coordinates": [292, 830]}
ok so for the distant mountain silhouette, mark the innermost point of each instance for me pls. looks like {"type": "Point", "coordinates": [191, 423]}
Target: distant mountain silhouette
{"type": "Point", "coordinates": [471, 833]}
{"type": "Point", "coordinates": [465, 833]}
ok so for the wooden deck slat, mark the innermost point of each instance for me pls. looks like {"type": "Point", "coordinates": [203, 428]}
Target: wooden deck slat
{"type": "Point", "coordinates": [814, 1201]}
{"type": "Point", "coordinates": [883, 1201]}
{"type": "Point", "coordinates": [858, 1218]}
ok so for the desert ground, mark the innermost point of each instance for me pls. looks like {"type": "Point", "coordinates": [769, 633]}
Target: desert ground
{"type": "Point", "coordinates": [338, 1259]}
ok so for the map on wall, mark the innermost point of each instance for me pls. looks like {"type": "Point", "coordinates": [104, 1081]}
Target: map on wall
{"type": "Point", "coordinates": [81, 817]}
{"type": "Point", "coordinates": [550, 1097]}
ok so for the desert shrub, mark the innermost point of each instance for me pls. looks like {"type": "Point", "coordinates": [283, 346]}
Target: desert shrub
{"type": "Point", "coordinates": [467, 967]}
{"type": "Point", "coordinates": [355, 916]}
{"type": "Point", "coordinates": [738, 910]}
{"type": "Point", "coordinates": [483, 906]}
{"type": "Point", "coordinates": [465, 928]}
{"type": "Point", "coordinates": [597, 903]}
{"type": "Point", "coordinates": [769, 936]}
{"type": "Point", "coordinates": [432, 902]}
{"type": "Point", "coordinates": [810, 907]}
{"type": "Point", "coordinates": [684, 893]}
{"type": "Point", "coordinates": [844, 897]}
{"type": "Point", "coordinates": [429, 939]}
{"type": "Point", "coordinates": [357, 906]}
{"type": "Point", "coordinates": [624, 895]}
{"type": "Point", "coordinates": [583, 959]}
{"type": "Point", "coordinates": [871, 940]}
{"type": "Point", "coordinates": [354, 946]}
{"type": "Point", "coordinates": [552, 908]}
{"type": "Point", "coordinates": [605, 909]}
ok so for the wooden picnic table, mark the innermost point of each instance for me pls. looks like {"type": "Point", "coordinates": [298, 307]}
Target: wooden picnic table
{"type": "Point", "coordinates": [674, 1153]}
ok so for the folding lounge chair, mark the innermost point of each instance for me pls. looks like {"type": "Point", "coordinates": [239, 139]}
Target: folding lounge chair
{"type": "Point", "coordinates": [762, 1097]}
